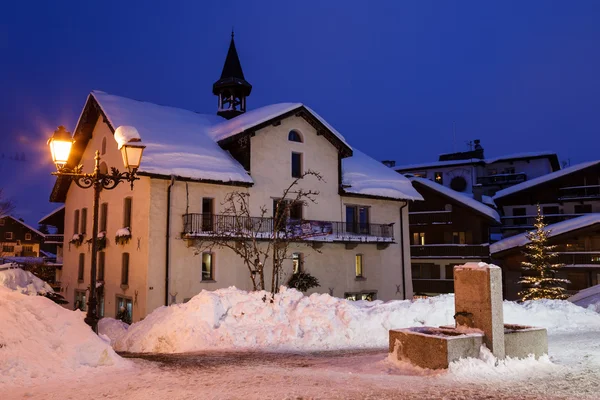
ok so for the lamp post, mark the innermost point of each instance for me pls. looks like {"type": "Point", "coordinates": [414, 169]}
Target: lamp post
{"type": "Point", "coordinates": [131, 148]}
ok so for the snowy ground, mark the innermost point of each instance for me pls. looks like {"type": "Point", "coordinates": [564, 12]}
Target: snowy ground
{"type": "Point", "coordinates": [573, 374]}
{"type": "Point", "coordinates": [230, 344]}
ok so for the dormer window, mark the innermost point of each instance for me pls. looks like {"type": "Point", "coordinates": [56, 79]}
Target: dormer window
{"type": "Point", "coordinates": [294, 136]}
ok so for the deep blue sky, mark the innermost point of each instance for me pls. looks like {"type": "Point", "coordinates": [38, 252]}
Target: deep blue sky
{"type": "Point", "coordinates": [391, 76]}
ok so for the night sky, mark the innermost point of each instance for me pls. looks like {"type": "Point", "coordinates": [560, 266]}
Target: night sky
{"type": "Point", "coordinates": [390, 76]}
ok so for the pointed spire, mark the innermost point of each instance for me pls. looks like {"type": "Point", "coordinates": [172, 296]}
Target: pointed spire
{"type": "Point", "coordinates": [232, 67]}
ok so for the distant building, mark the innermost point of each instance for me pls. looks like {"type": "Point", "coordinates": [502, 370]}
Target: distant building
{"type": "Point", "coordinates": [470, 172]}
{"type": "Point", "coordinates": [578, 247]}
{"type": "Point", "coordinates": [446, 229]}
{"type": "Point", "coordinates": [17, 239]}
{"type": "Point", "coordinates": [562, 195]}
{"type": "Point", "coordinates": [52, 246]}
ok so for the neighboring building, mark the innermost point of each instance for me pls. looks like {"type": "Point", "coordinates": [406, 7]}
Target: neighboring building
{"type": "Point", "coordinates": [578, 247]}
{"type": "Point", "coordinates": [17, 239]}
{"type": "Point", "coordinates": [472, 174]}
{"type": "Point", "coordinates": [191, 162]}
{"type": "Point", "coordinates": [446, 229]}
{"type": "Point", "coordinates": [52, 245]}
{"type": "Point", "coordinates": [564, 194]}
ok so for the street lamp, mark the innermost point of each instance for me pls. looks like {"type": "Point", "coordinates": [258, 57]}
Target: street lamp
{"type": "Point", "coordinates": [129, 143]}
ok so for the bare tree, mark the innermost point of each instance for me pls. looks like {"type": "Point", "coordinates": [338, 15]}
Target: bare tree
{"type": "Point", "coordinates": [6, 205]}
{"type": "Point", "coordinates": [257, 240]}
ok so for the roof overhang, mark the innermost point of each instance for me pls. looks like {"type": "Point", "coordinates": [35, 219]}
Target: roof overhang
{"type": "Point", "coordinates": [300, 111]}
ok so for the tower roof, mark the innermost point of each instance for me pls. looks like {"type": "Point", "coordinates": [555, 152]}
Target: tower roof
{"type": "Point", "coordinates": [232, 74]}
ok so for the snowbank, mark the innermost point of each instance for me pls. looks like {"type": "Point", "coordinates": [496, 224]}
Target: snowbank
{"type": "Point", "coordinates": [22, 281]}
{"type": "Point", "coordinates": [231, 318]}
{"type": "Point", "coordinates": [112, 328]}
{"type": "Point", "coordinates": [41, 340]}
{"type": "Point", "coordinates": [589, 298]}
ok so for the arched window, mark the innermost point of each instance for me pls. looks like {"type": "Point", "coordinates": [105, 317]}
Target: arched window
{"type": "Point", "coordinates": [103, 146]}
{"type": "Point", "coordinates": [294, 136]}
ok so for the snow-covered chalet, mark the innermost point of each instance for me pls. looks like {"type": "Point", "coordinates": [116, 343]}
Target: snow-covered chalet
{"type": "Point", "coordinates": [190, 163]}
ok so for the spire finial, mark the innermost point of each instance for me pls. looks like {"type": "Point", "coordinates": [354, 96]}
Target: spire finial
{"type": "Point", "coordinates": [232, 32]}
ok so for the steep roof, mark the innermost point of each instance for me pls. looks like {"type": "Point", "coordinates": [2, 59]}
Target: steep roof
{"type": "Point", "coordinates": [363, 175]}
{"type": "Point", "coordinates": [543, 179]}
{"type": "Point", "coordinates": [232, 67]}
{"type": "Point", "coordinates": [557, 229]}
{"type": "Point", "coordinates": [186, 144]}
{"type": "Point", "coordinates": [48, 219]}
{"type": "Point", "coordinates": [31, 228]}
{"type": "Point", "coordinates": [466, 201]}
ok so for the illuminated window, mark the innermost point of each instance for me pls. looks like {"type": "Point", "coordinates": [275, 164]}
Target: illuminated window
{"type": "Point", "coordinates": [458, 238]}
{"type": "Point", "coordinates": [419, 238]}
{"type": "Point", "coordinates": [439, 178]}
{"type": "Point", "coordinates": [297, 261]}
{"type": "Point", "coordinates": [208, 267]}
{"type": "Point", "coordinates": [358, 264]}
{"type": "Point", "coordinates": [8, 235]}
{"type": "Point", "coordinates": [28, 236]}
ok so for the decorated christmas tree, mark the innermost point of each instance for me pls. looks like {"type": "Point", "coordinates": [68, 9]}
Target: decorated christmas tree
{"type": "Point", "coordinates": [539, 271]}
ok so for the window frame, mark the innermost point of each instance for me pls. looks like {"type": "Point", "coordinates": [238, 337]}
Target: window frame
{"type": "Point", "coordinates": [297, 262]}
{"type": "Point", "coordinates": [127, 212]}
{"type": "Point", "coordinates": [76, 222]}
{"type": "Point", "coordinates": [83, 229]}
{"type": "Point", "coordinates": [359, 266]}
{"type": "Point", "coordinates": [103, 217]}
{"type": "Point", "coordinates": [211, 276]}
{"type": "Point", "coordinates": [28, 236]}
{"type": "Point", "coordinates": [77, 294]}
{"type": "Point", "coordinates": [9, 235]}
{"type": "Point", "coordinates": [81, 268]}
{"type": "Point", "coordinates": [101, 266]}
{"type": "Point", "coordinates": [296, 135]}
{"type": "Point", "coordinates": [127, 300]}
{"type": "Point", "coordinates": [356, 226]}
{"type": "Point", "coordinates": [125, 261]}
{"type": "Point", "coordinates": [300, 166]}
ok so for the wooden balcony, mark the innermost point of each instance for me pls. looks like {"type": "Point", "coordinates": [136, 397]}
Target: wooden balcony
{"type": "Point", "coordinates": [433, 286]}
{"type": "Point", "coordinates": [527, 221]}
{"type": "Point", "coordinates": [591, 258]}
{"type": "Point", "coordinates": [430, 217]}
{"type": "Point", "coordinates": [579, 192]}
{"type": "Point", "coordinates": [502, 179]}
{"type": "Point", "coordinates": [54, 238]}
{"type": "Point", "coordinates": [480, 251]}
{"type": "Point", "coordinates": [229, 226]}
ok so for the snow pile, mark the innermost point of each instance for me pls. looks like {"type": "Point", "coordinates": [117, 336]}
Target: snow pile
{"type": "Point", "coordinates": [112, 328]}
{"type": "Point", "coordinates": [22, 281]}
{"type": "Point", "coordinates": [41, 340]}
{"type": "Point", "coordinates": [126, 134]}
{"type": "Point", "coordinates": [231, 318]}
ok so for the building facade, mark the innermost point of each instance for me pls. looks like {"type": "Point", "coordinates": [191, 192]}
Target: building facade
{"type": "Point", "coordinates": [17, 239]}
{"type": "Point", "coordinates": [446, 229]}
{"type": "Point", "coordinates": [151, 253]}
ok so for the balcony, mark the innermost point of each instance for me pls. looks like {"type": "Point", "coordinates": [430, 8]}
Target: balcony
{"type": "Point", "coordinates": [591, 258]}
{"type": "Point", "coordinates": [502, 179]}
{"type": "Point", "coordinates": [54, 238]}
{"type": "Point", "coordinates": [433, 285]}
{"type": "Point", "coordinates": [229, 226]}
{"type": "Point", "coordinates": [579, 192]}
{"type": "Point", "coordinates": [527, 221]}
{"type": "Point", "coordinates": [430, 217]}
{"type": "Point", "coordinates": [450, 251]}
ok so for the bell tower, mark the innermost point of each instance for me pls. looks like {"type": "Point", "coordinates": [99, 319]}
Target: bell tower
{"type": "Point", "coordinates": [232, 88]}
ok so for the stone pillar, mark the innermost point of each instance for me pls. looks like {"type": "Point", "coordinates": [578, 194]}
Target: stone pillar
{"type": "Point", "coordinates": [478, 302]}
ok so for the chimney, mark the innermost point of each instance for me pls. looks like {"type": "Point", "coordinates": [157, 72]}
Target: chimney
{"type": "Point", "coordinates": [478, 193]}
{"type": "Point", "coordinates": [389, 163]}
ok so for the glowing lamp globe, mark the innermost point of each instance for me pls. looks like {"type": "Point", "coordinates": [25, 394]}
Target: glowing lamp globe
{"type": "Point", "coordinates": [129, 142]}
{"type": "Point", "coordinates": [60, 147]}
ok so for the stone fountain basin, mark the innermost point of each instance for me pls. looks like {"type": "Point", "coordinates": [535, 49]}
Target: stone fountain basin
{"type": "Point", "coordinates": [434, 348]}
{"type": "Point", "coordinates": [521, 340]}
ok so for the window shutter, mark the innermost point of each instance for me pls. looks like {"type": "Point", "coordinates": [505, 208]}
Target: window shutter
{"type": "Point", "coordinates": [103, 216]}
{"type": "Point", "coordinates": [81, 272]}
{"type": "Point", "coordinates": [125, 270]}
{"type": "Point", "coordinates": [127, 206]}
{"type": "Point", "coordinates": [101, 261]}
{"type": "Point", "coordinates": [83, 220]}
{"type": "Point", "coordinates": [76, 222]}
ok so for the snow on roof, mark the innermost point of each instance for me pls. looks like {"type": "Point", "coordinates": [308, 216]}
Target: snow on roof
{"type": "Point", "coordinates": [51, 213]}
{"type": "Point", "coordinates": [555, 229]}
{"type": "Point", "coordinates": [256, 117]}
{"type": "Point", "coordinates": [544, 178]}
{"type": "Point", "coordinates": [587, 297]}
{"type": "Point", "coordinates": [459, 197]}
{"type": "Point", "coordinates": [362, 174]}
{"type": "Point", "coordinates": [177, 141]}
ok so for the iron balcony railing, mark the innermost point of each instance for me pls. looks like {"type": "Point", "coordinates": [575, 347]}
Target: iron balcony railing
{"type": "Point", "coordinates": [450, 250]}
{"type": "Point", "coordinates": [235, 226]}
{"type": "Point", "coordinates": [54, 238]}
{"type": "Point", "coordinates": [502, 179]}
{"type": "Point", "coordinates": [429, 217]}
{"type": "Point", "coordinates": [580, 192]}
{"type": "Point", "coordinates": [527, 221]}
{"type": "Point", "coordinates": [578, 258]}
